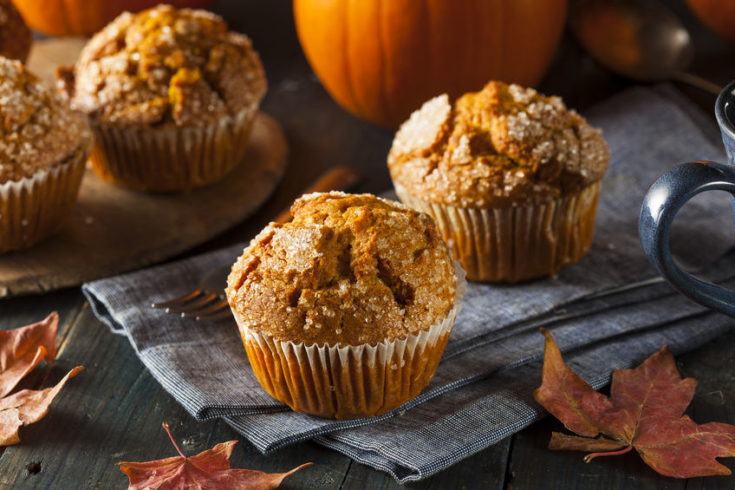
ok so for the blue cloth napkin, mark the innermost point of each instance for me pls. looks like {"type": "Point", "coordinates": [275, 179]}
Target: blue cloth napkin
{"type": "Point", "coordinates": [607, 312]}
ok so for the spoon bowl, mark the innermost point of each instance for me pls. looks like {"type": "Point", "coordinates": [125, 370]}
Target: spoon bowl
{"type": "Point", "coordinates": [640, 39]}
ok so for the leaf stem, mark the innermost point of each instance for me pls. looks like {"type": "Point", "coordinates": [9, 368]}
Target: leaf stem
{"type": "Point", "coordinates": [165, 426]}
{"type": "Point", "coordinates": [592, 456]}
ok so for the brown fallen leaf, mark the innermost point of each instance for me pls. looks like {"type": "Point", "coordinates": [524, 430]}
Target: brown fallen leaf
{"type": "Point", "coordinates": [565, 442]}
{"type": "Point", "coordinates": [209, 469]}
{"type": "Point", "coordinates": [21, 350]}
{"type": "Point", "coordinates": [26, 407]}
{"type": "Point", "coordinates": [644, 411]}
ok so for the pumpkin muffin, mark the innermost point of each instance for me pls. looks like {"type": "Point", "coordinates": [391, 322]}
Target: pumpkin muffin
{"type": "Point", "coordinates": [43, 149]}
{"type": "Point", "coordinates": [511, 177]}
{"type": "Point", "coordinates": [15, 36]}
{"type": "Point", "coordinates": [171, 95]}
{"type": "Point", "coordinates": [346, 309]}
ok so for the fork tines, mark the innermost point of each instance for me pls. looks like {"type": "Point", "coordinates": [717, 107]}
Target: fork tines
{"type": "Point", "coordinates": [197, 304]}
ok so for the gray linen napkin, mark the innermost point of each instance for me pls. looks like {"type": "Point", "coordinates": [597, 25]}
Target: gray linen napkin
{"type": "Point", "coordinates": [603, 313]}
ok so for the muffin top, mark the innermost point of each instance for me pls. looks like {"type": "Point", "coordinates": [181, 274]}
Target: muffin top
{"type": "Point", "coordinates": [15, 36]}
{"type": "Point", "coordinates": [503, 146]}
{"type": "Point", "coordinates": [165, 66]}
{"type": "Point", "coordinates": [347, 269]}
{"type": "Point", "coordinates": [39, 130]}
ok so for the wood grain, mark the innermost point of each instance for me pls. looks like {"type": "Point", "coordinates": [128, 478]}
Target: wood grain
{"type": "Point", "coordinates": [113, 412]}
{"type": "Point", "coordinates": [114, 230]}
{"type": "Point", "coordinates": [48, 54]}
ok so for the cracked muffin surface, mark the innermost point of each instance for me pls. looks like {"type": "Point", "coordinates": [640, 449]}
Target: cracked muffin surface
{"type": "Point", "coordinates": [39, 130]}
{"type": "Point", "coordinates": [165, 66]}
{"type": "Point", "coordinates": [347, 269]}
{"type": "Point", "coordinates": [503, 146]}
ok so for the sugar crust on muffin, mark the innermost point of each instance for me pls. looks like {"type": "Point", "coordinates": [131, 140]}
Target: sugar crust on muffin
{"type": "Point", "coordinates": [347, 269]}
{"type": "Point", "coordinates": [39, 130]}
{"type": "Point", "coordinates": [503, 146]}
{"type": "Point", "coordinates": [165, 66]}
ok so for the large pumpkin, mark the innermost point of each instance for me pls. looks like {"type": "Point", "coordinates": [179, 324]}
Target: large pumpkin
{"type": "Point", "coordinates": [81, 17]}
{"type": "Point", "coordinates": [380, 59]}
{"type": "Point", "coordinates": [718, 15]}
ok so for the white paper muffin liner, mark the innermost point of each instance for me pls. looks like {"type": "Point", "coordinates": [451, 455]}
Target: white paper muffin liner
{"type": "Point", "coordinates": [347, 382]}
{"type": "Point", "coordinates": [169, 159]}
{"type": "Point", "coordinates": [35, 207]}
{"type": "Point", "coordinates": [518, 243]}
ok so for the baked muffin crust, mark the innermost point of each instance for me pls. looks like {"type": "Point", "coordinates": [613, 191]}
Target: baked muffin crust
{"type": "Point", "coordinates": [503, 146]}
{"type": "Point", "coordinates": [38, 130]}
{"type": "Point", "coordinates": [348, 269]}
{"type": "Point", "coordinates": [165, 66]}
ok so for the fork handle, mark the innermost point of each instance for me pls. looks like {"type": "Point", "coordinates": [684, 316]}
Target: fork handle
{"type": "Point", "coordinates": [336, 179]}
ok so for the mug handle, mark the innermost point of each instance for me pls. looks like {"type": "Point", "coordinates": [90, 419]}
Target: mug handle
{"type": "Point", "coordinates": [663, 200]}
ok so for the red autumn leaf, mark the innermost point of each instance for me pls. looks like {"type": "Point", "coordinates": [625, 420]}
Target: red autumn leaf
{"type": "Point", "coordinates": [208, 469]}
{"type": "Point", "coordinates": [645, 411]}
{"type": "Point", "coordinates": [564, 442]}
{"type": "Point", "coordinates": [21, 350]}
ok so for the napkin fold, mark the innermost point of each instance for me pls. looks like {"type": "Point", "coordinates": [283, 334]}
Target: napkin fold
{"type": "Point", "coordinates": [607, 312]}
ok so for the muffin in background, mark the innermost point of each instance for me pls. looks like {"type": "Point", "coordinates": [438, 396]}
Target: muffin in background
{"type": "Point", "coordinates": [43, 150]}
{"type": "Point", "coordinates": [511, 177]}
{"type": "Point", "coordinates": [15, 36]}
{"type": "Point", "coordinates": [171, 96]}
{"type": "Point", "coordinates": [345, 310]}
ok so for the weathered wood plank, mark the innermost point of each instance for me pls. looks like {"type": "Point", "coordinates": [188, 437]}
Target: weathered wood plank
{"type": "Point", "coordinates": [360, 476]}
{"type": "Point", "coordinates": [533, 466]}
{"type": "Point", "coordinates": [16, 312]}
{"type": "Point", "coordinates": [714, 368]}
{"type": "Point", "coordinates": [484, 470]}
{"type": "Point", "coordinates": [112, 411]}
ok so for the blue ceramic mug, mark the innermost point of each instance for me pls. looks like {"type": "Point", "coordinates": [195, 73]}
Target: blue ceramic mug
{"type": "Point", "coordinates": [671, 191]}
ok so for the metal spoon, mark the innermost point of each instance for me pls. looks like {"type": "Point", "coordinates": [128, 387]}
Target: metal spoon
{"type": "Point", "coordinates": [640, 39]}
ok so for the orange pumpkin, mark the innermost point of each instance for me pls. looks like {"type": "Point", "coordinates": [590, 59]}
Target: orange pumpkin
{"type": "Point", "coordinates": [380, 59]}
{"type": "Point", "coordinates": [717, 15]}
{"type": "Point", "coordinates": [82, 17]}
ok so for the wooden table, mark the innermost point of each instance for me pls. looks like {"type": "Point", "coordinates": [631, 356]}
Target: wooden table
{"type": "Point", "coordinates": [113, 410]}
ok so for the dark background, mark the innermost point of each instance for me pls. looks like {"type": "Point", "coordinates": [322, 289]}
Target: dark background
{"type": "Point", "coordinates": [112, 411]}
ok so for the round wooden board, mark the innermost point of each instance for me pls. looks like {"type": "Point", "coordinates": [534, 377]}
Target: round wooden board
{"type": "Point", "coordinates": [114, 230]}
{"type": "Point", "coordinates": [48, 54]}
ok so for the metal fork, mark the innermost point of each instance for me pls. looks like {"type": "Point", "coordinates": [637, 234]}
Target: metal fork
{"type": "Point", "coordinates": [207, 301]}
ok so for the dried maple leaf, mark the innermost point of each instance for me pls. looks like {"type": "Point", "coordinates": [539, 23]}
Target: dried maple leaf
{"type": "Point", "coordinates": [208, 469]}
{"type": "Point", "coordinates": [21, 349]}
{"type": "Point", "coordinates": [26, 407]}
{"type": "Point", "coordinates": [644, 411]}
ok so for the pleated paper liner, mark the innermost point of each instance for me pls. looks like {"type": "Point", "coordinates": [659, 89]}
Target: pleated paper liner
{"type": "Point", "coordinates": [348, 382]}
{"type": "Point", "coordinates": [519, 243]}
{"type": "Point", "coordinates": [36, 207]}
{"type": "Point", "coordinates": [169, 159]}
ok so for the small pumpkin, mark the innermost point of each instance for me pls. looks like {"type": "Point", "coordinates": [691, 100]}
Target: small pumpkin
{"type": "Point", "coordinates": [380, 59]}
{"type": "Point", "coordinates": [717, 15]}
{"type": "Point", "coordinates": [84, 17]}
